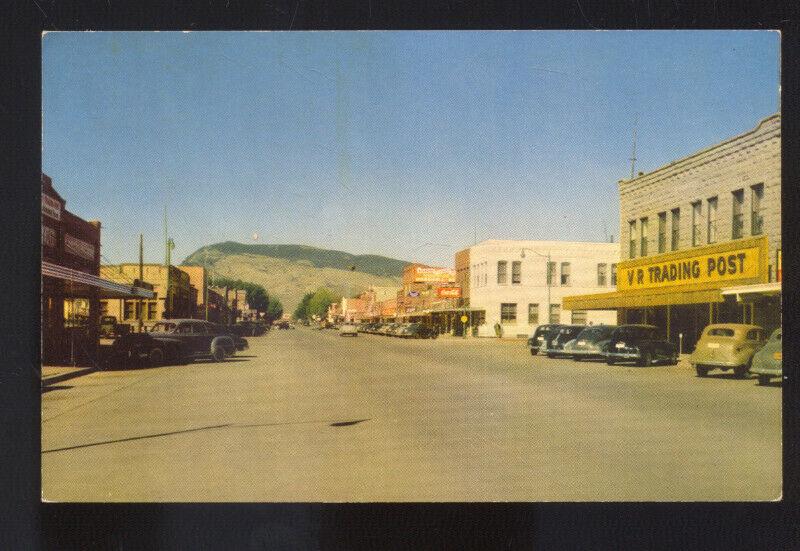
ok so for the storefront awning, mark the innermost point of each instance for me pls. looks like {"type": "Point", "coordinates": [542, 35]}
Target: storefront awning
{"type": "Point", "coordinates": [108, 289]}
{"type": "Point", "coordinates": [642, 299]}
{"type": "Point", "coordinates": [749, 293]}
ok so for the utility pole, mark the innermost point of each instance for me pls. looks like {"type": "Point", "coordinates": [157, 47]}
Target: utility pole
{"type": "Point", "coordinates": [633, 153]}
{"type": "Point", "coordinates": [141, 280]}
{"type": "Point", "coordinates": [167, 294]}
{"type": "Point", "coordinates": [206, 279]}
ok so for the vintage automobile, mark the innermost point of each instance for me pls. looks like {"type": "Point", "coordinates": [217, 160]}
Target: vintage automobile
{"type": "Point", "coordinates": [348, 329]}
{"type": "Point", "coordinates": [419, 331]}
{"type": "Point", "coordinates": [768, 362]}
{"type": "Point", "coordinates": [560, 336]}
{"type": "Point", "coordinates": [110, 328]}
{"type": "Point", "coordinates": [239, 341]}
{"type": "Point", "coordinates": [642, 344]}
{"type": "Point", "coordinates": [727, 346]}
{"type": "Point", "coordinates": [248, 328]}
{"type": "Point", "coordinates": [145, 349]}
{"type": "Point", "coordinates": [198, 339]}
{"type": "Point", "coordinates": [538, 340]}
{"type": "Point", "coordinates": [590, 343]}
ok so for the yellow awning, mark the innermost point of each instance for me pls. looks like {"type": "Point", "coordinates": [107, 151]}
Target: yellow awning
{"type": "Point", "coordinates": [631, 299]}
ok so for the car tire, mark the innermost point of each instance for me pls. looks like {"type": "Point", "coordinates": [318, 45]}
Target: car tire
{"type": "Point", "coordinates": [674, 360]}
{"type": "Point", "coordinates": [763, 380]}
{"type": "Point", "coordinates": [610, 362]}
{"type": "Point", "coordinates": [702, 370]}
{"type": "Point", "coordinates": [218, 354]}
{"type": "Point", "coordinates": [740, 372]}
{"type": "Point", "coordinates": [156, 357]}
{"type": "Point", "coordinates": [646, 360]}
{"type": "Point", "coordinates": [533, 352]}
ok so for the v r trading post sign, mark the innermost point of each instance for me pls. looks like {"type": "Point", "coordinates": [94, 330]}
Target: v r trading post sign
{"type": "Point", "coordinates": [723, 267]}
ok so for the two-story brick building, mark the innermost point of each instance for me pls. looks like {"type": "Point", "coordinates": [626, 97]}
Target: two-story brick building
{"type": "Point", "coordinates": [701, 240]}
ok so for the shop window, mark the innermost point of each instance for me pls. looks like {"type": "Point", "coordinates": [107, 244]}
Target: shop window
{"type": "Point", "coordinates": [601, 275]}
{"type": "Point", "coordinates": [756, 218]}
{"type": "Point", "coordinates": [151, 310]}
{"type": "Point", "coordinates": [737, 215]}
{"type": "Point", "coordinates": [613, 275]}
{"type": "Point", "coordinates": [516, 272]}
{"type": "Point", "coordinates": [555, 313]}
{"type": "Point", "coordinates": [662, 232]}
{"type": "Point", "coordinates": [643, 233]}
{"type": "Point", "coordinates": [712, 220]}
{"type": "Point", "coordinates": [676, 229]}
{"type": "Point", "coordinates": [697, 214]}
{"type": "Point", "coordinates": [533, 314]}
{"type": "Point", "coordinates": [502, 272]}
{"type": "Point", "coordinates": [565, 273]}
{"type": "Point", "coordinates": [103, 307]}
{"type": "Point", "coordinates": [508, 313]}
{"type": "Point", "coordinates": [579, 317]}
{"type": "Point", "coordinates": [76, 312]}
{"type": "Point", "coordinates": [130, 310]}
{"type": "Point", "coordinates": [632, 239]}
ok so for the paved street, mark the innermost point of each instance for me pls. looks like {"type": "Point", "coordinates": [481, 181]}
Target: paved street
{"type": "Point", "coordinates": [307, 415]}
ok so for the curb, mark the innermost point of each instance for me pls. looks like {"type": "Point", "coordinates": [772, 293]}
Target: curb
{"type": "Point", "coordinates": [67, 376]}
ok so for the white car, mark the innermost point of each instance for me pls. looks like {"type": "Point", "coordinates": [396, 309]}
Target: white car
{"type": "Point", "coordinates": [348, 329]}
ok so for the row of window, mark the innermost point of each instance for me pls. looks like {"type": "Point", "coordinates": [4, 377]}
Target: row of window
{"type": "Point", "coordinates": [698, 225]}
{"type": "Point", "coordinates": [132, 311]}
{"type": "Point", "coordinates": [508, 314]}
{"type": "Point", "coordinates": [565, 279]}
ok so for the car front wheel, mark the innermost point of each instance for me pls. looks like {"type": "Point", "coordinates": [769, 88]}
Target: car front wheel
{"type": "Point", "coordinates": [763, 380]}
{"type": "Point", "coordinates": [740, 372]}
{"type": "Point", "coordinates": [702, 371]}
{"type": "Point", "coordinates": [156, 357]}
{"type": "Point", "coordinates": [219, 354]}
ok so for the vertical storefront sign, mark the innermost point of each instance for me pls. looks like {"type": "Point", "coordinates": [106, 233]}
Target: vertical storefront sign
{"type": "Point", "coordinates": [51, 207]}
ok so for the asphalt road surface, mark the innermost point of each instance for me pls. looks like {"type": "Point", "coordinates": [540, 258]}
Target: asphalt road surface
{"type": "Point", "coordinates": [307, 415]}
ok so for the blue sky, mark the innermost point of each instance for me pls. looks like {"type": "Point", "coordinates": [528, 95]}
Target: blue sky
{"type": "Point", "coordinates": [406, 144]}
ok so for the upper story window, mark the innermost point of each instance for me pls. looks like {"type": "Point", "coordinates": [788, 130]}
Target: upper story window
{"type": "Point", "coordinates": [662, 232]}
{"type": "Point", "coordinates": [697, 214]}
{"type": "Point", "coordinates": [502, 272]}
{"type": "Point", "coordinates": [643, 234]}
{"type": "Point", "coordinates": [632, 238]}
{"type": "Point", "coordinates": [551, 273]}
{"type": "Point", "coordinates": [756, 218]}
{"type": "Point", "coordinates": [601, 275]}
{"type": "Point", "coordinates": [516, 272]}
{"type": "Point", "coordinates": [613, 275]}
{"type": "Point", "coordinates": [737, 215]}
{"type": "Point", "coordinates": [676, 229]}
{"type": "Point", "coordinates": [712, 219]}
{"type": "Point", "coordinates": [565, 274]}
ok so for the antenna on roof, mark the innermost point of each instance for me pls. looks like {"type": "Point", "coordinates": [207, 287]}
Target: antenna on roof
{"type": "Point", "coordinates": [633, 153]}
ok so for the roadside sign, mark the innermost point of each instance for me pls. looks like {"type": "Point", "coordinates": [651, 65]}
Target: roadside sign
{"type": "Point", "coordinates": [464, 319]}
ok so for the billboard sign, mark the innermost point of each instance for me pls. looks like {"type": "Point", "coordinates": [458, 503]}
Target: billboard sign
{"type": "Point", "coordinates": [424, 274]}
{"type": "Point", "coordinates": [449, 292]}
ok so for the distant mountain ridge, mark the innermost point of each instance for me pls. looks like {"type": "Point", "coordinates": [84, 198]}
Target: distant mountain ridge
{"type": "Point", "coordinates": [289, 271]}
{"type": "Point", "coordinates": [319, 258]}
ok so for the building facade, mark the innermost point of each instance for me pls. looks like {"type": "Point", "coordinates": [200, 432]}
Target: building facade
{"type": "Point", "coordinates": [701, 239]}
{"type": "Point", "coordinates": [175, 301]}
{"type": "Point", "coordinates": [511, 285]}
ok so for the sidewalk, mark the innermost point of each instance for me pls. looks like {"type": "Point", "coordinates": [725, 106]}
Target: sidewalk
{"type": "Point", "coordinates": [52, 374]}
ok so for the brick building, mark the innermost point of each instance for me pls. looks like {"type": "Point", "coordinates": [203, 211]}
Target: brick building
{"type": "Point", "coordinates": [701, 239]}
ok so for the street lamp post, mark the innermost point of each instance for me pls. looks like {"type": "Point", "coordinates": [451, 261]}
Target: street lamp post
{"type": "Point", "coordinates": [547, 274]}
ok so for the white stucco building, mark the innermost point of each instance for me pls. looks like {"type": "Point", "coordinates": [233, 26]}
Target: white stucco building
{"type": "Point", "coordinates": [506, 282]}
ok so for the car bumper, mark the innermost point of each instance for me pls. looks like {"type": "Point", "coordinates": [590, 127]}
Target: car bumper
{"type": "Point", "coordinates": [622, 355]}
{"type": "Point", "coordinates": [587, 353]}
{"type": "Point", "coordinates": [767, 370]}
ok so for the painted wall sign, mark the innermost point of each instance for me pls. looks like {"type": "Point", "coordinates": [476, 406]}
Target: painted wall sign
{"type": "Point", "coordinates": [51, 207]}
{"type": "Point", "coordinates": [431, 275]}
{"type": "Point", "coordinates": [725, 266]}
{"type": "Point", "coordinates": [78, 247]}
{"type": "Point", "coordinates": [49, 238]}
{"type": "Point", "coordinates": [449, 292]}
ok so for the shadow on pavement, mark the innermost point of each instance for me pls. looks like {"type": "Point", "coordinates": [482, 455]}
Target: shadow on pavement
{"type": "Point", "coordinates": [135, 438]}
{"type": "Point", "coordinates": [55, 387]}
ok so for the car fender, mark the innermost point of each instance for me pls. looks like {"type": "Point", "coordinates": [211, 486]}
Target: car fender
{"type": "Point", "coordinates": [223, 341]}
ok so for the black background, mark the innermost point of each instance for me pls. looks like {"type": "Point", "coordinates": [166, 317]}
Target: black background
{"type": "Point", "coordinates": [25, 523]}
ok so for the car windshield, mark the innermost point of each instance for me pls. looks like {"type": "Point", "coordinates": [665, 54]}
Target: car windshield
{"type": "Point", "coordinates": [162, 327]}
{"type": "Point", "coordinates": [720, 332]}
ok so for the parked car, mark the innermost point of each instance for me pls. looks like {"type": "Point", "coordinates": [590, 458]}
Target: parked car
{"type": "Point", "coordinates": [141, 349]}
{"type": "Point", "coordinates": [727, 346]}
{"type": "Point", "coordinates": [239, 341]}
{"type": "Point", "coordinates": [590, 343]}
{"type": "Point", "coordinates": [420, 331]}
{"type": "Point", "coordinates": [554, 346]}
{"type": "Point", "coordinates": [768, 362]}
{"type": "Point", "coordinates": [249, 328]}
{"type": "Point", "coordinates": [198, 339]}
{"type": "Point", "coordinates": [110, 328]}
{"type": "Point", "coordinates": [281, 324]}
{"type": "Point", "coordinates": [537, 341]}
{"type": "Point", "coordinates": [348, 329]}
{"type": "Point", "coordinates": [642, 344]}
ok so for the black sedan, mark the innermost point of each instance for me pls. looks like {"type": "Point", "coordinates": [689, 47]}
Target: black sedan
{"type": "Point", "coordinates": [145, 349]}
{"type": "Point", "coordinates": [559, 338]}
{"type": "Point", "coordinates": [538, 341]}
{"type": "Point", "coordinates": [419, 331]}
{"type": "Point", "coordinates": [642, 344]}
{"type": "Point", "coordinates": [590, 343]}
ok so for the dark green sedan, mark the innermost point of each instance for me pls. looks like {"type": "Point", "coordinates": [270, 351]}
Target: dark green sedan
{"type": "Point", "coordinates": [768, 362]}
